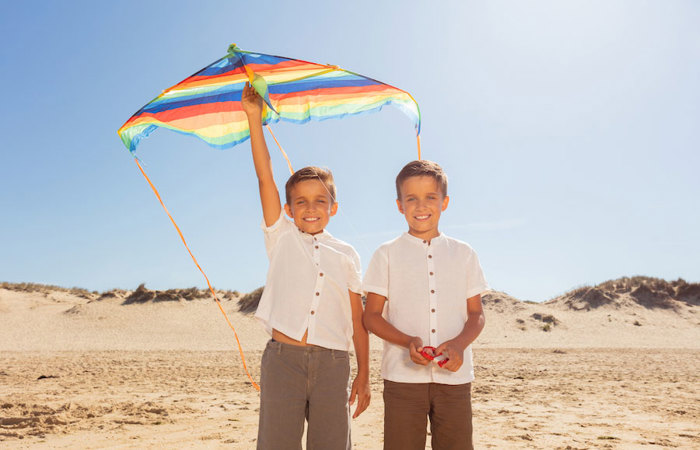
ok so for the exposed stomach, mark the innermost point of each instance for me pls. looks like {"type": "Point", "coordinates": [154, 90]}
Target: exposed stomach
{"type": "Point", "coordinates": [283, 338]}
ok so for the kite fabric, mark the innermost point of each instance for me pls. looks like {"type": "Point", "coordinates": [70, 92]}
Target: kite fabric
{"type": "Point", "coordinates": [208, 104]}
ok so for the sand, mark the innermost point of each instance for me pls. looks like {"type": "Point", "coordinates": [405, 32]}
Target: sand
{"type": "Point", "coordinates": [77, 372]}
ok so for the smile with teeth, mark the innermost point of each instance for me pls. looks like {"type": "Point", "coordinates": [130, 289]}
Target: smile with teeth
{"type": "Point", "coordinates": [311, 219]}
{"type": "Point", "coordinates": [423, 217]}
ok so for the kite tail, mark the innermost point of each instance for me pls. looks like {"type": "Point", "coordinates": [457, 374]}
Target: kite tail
{"type": "Point", "coordinates": [211, 289]}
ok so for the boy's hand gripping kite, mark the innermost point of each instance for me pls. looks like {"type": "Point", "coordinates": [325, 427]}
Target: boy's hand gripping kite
{"type": "Point", "coordinates": [428, 352]}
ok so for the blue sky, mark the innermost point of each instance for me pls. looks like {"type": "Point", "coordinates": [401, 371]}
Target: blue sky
{"type": "Point", "coordinates": [569, 130]}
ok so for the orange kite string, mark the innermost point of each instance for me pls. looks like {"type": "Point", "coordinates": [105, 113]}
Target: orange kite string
{"type": "Point", "coordinates": [289, 164]}
{"type": "Point", "coordinates": [211, 289]}
{"type": "Point", "coordinates": [418, 139]}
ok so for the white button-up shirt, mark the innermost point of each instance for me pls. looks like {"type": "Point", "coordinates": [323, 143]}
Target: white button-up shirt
{"type": "Point", "coordinates": [427, 285]}
{"type": "Point", "coordinates": [307, 285]}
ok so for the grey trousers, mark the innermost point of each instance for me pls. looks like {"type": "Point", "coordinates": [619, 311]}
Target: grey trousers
{"type": "Point", "coordinates": [407, 407]}
{"type": "Point", "coordinates": [304, 383]}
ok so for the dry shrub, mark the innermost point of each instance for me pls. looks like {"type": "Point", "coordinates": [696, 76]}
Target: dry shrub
{"type": "Point", "coordinates": [646, 291]}
{"type": "Point", "coordinates": [651, 298]}
{"type": "Point", "coordinates": [47, 289]}
{"type": "Point", "coordinates": [546, 318]}
{"type": "Point", "coordinates": [249, 302]}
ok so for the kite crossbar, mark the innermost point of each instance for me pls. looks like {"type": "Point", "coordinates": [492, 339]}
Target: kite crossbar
{"type": "Point", "coordinates": [211, 289]}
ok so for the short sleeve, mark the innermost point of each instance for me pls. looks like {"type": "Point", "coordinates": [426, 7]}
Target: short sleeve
{"type": "Point", "coordinates": [274, 232]}
{"type": "Point", "coordinates": [377, 275]}
{"type": "Point", "coordinates": [355, 273]}
{"type": "Point", "coordinates": [476, 282]}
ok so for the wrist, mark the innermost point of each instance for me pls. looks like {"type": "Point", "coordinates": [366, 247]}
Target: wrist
{"type": "Point", "coordinates": [461, 343]}
{"type": "Point", "coordinates": [254, 118]}
{"type": "Point", "coordinates": [362, 374]}
{"type": "Point", "coordinates": [410, 340]}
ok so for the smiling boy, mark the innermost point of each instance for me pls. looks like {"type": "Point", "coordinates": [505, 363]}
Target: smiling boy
{"type": "Point", "coordinates": [424, 300]}
{"type": "Point", "coordinates": [311, 306]}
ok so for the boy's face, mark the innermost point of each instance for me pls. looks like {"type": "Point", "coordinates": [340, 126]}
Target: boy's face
{"type": "Point", "coordinates": [311, 206]}
{"type": "Point", "coordinates": [421, 203]}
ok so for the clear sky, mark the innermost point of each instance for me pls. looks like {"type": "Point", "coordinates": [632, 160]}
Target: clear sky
{"type": "Point", "coordinates": [570, 131]}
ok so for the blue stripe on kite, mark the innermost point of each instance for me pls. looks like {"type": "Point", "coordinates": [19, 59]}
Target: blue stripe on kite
{"type": "Point", "coordinates": [225, 94]}
{"type": "Point", "coordinates": [227, 89]}
{"type": "Point", "coordinates": [259, 58]}
{"type": "Point", "coordinates": [137, 138]}
{"type": "Point", "coordinates": [312, 83]}
{"type": "Point", "coordinates": [226, 66]}
{"type": "Point", "coordinates": [160, 106]}
{"type": "Point", "coordinates": [234, 62]}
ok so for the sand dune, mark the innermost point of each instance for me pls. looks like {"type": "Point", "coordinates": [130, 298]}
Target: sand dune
{"type": "Point", "coordinates": [608, 366]}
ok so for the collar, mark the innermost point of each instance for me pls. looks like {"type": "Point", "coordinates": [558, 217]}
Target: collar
{"type": "Point", "coordinates": [322, 236]}
{"type": "Point", "coordinates": [420, 241]}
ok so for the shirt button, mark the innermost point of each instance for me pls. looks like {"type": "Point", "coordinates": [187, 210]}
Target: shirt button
{"type": "Point", "coordinates": [315, 246]}
{"type": "Point", "coordinates": [432, 310]}
{"type": "Point", "coordinates": [430, 256]}
{"type": "Point", "coordinates": [320, 274]}
{"type": "Point", "coordinates": [313, 312]}
{"type": "Point", "coordinates": [431, 273]}
{"type": "Point", "coordinates": [433, 330]}
{"type": "Point", "coordinates": [432, 291]}
{"type": "Point", "coordinates": [425, 242]}
{"type": "Point", "coordinates": [318, 293]}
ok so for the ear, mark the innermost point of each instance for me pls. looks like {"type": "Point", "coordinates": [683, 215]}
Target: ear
{"type": "Point", "coordinates": [288, 210]}
{"type": "Point", "coordinates": [334, 208]}
{"type": "Point", "coordinates": [398, 203]}
{"type": "Point", "coordinates": [445, 202]}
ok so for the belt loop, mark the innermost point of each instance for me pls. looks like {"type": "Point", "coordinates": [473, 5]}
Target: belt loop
{"type": "Point", "coordinates": [279, 348]}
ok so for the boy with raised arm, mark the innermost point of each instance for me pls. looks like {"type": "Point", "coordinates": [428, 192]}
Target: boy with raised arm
{"type": "Point", "coordinates": [311, 306]}
{"type": "Point", "coordinates": [424, 299]}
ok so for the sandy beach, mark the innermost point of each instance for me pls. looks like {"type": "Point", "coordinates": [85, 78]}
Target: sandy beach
{"type": "Point", "coordinates": [611, 366]}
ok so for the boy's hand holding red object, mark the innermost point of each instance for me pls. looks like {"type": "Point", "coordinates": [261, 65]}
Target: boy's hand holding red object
{"type": "Point", "coordinates": [455, 352]}
{"type": "Point", "coordinates": [415, 347]}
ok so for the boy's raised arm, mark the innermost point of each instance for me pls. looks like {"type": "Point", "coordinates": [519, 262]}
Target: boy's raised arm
{"type": "Point", "coordinates": [269, 195]}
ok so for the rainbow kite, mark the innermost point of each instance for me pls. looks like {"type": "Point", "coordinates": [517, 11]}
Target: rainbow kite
{"type": "Point", "coordinates": [208, 104]}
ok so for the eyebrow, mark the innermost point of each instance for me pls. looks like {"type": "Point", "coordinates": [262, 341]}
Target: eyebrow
{"type": "Point", "coordinates": [427, 193]}
{"type": "Point", "coordinates": [312, 197]}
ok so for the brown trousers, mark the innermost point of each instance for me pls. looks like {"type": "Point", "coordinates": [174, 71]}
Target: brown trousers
{"type": "Point", "coordinates": [304, 383]}
{"type": "Point", "coordinates": [407, 407]}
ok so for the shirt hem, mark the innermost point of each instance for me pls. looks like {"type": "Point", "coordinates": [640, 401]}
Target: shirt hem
{"type": "Point", "coordinates": [376, 290]}
{"type": "Point", "coordinates": [413, 381]}
{"type": "Point", "coordinates": [478, 290]}
{"type": "Point", "coordinates": [265, 323]}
